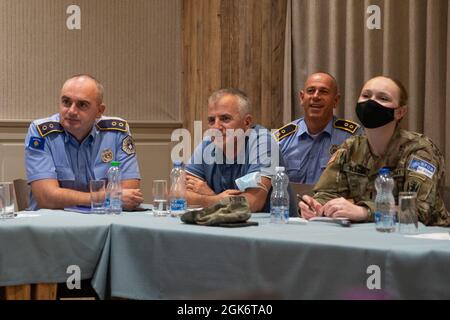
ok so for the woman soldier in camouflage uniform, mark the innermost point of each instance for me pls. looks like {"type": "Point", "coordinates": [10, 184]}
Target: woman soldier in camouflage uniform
{"type": "Point", "coordinates": [346, 187]}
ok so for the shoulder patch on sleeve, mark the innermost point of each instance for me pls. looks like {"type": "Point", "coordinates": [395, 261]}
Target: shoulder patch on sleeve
{"type": "Point", "coordinates": [112, 124]}
{"type": "Point", "coordinates": [346, 125]}
{"type": "Point", "coordinates": [49, 127]}
{"type": "Point", "coordinates": [334, 155]}
{"type": "Point", "coordinates": [285, 131]}
{"type": "Point", "coordinates": [36, 143]}
{"type": "Point", "coordinates": [128, 145]}
{"type": "Point", "coordinates": [421, 166]}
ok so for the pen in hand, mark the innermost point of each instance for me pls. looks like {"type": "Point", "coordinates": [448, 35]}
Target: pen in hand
{"type": "Point", "coordinates": [300, 198]}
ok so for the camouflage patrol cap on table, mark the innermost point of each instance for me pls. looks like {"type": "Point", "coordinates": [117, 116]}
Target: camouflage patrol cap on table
{"type": "Point", "coordinates": [233, 209]}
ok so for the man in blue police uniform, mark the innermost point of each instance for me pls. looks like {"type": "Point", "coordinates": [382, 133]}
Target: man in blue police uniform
{"type": "Point", "coordinates": [308, 143]}
{"type": "Point", "coordinates": [223, 161]}
{"type": "Point", "coordinates": [66, 150]}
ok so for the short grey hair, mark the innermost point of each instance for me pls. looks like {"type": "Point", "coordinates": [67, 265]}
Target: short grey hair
{"type": "Point", "coordinates": [244, 104]}
{"type": "Point", "coordinates": [100, 88]}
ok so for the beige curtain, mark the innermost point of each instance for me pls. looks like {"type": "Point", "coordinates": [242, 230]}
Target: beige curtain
{"type": "Point", "coordinates": [412, 45]}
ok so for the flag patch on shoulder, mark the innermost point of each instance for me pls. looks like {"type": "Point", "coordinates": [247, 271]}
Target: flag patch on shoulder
{"type": "Point", "coordinates": [422, 166]}
{"type": "Point", "coordinates": [37, 143]}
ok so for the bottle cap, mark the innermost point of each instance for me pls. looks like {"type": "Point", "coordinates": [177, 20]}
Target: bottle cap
{"type": "Point", "coordinates": [115, 163]}
{"type": "Point", "coordinates": [177, 163]}
{"type": "Point", "coordinates": [384, 170]}
{"type": "Point", "coordinates": [279, 169]}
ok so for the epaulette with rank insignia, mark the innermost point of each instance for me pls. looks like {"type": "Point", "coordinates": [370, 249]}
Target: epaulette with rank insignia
{"type": "Point", "coordinates": [49, 127]}
{"type": "Point", "coordinates": [112, 124]}
{"type": "Point", "coordinates": [285, 131]}
{"type": "Point", "coordinates": [346, 125]}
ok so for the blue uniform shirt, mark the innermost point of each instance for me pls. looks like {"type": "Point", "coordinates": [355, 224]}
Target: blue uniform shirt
{"type": "Point", "coordinates": [221, 176]}
{"type": "Point", "coordinates": [306, 156]}
{"type": "Point", "coordinates": [53, 153]}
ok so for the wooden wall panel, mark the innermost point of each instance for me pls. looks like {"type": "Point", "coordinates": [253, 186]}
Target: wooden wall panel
{"type": "Point", "coordinates": [12, 163]}
{"type": "Point", "coordinates": [154, 164]}
{"type": "Point", "coordinates": [200, 55]}
{"type": "Point", "coordinates": [132, 46]}
{"type": "Point", "coordinates": [242, 47]}
{"type": "Point", "coordinates": [273, 88]}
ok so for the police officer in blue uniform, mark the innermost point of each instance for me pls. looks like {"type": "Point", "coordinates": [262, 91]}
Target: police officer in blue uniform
{"type": "Point", "coordinates": [308, 143]}
{"type": "Point", "coordinates": [215, 167]}
{"type": "Point", "coordinates": [66, 150]}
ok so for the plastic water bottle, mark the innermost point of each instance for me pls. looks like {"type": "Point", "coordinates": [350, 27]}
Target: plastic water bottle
{"type": "Point", "coordinates": [177, 194]}
{"type": "Point", "coordinates": [384, 201]}
{"type": "Point", "coordinates": [279, 200]}
{"type": "Point", "coordinates": [114, 190]}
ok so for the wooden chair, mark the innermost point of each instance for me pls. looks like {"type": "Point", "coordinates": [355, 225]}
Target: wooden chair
{"type": "Point", "coordinates": [299, 189]}
{"type": "Point", "coordinates": [302, 188]}
{"type": "Point", "coordinates": [22, 190]}
{"type": "Point", "coordinates": [38, 291]}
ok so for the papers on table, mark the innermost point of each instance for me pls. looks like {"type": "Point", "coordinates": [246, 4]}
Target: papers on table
{"type": "Point", "coordinates": [26, 215]}
{"type": "Point", "coordinates": [345, 222]}
{"type": "Point", "coordinates": [296, 220]}
{"type": "Point", "coordinates": [432, 236]}
{"type": "Point", "coordinates": [340, 221]}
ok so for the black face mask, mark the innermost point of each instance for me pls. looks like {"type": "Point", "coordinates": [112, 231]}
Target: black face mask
{"type": "Point", "coordinates": [373, 115]}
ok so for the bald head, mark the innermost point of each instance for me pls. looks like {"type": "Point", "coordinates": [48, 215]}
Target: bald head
{"type": "Point", "coordinates": [319, 97]}
{"type": "Point", "coordinates": [80, 105]}
{"type": "Point", "coordinates": [325, 78]}
{"type": "Point", "coordinates": [88, 82]}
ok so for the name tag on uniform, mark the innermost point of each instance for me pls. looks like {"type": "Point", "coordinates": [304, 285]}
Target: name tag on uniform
{"type": "Point", "coordinates": [422, 166]}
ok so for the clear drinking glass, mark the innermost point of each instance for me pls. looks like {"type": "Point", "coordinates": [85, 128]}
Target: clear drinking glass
{"type": "Point", "coordinates": [98, 194]}
{"type": "Point", "coordinates": [407, 213]}
{"type": "Point", "coordinates": [160, 207]}
{"type": "Point", "coordinates": [7, 200]}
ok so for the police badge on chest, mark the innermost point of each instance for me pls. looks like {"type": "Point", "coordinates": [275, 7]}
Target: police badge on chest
{"type": "Point", "coordinates": [107, 155]}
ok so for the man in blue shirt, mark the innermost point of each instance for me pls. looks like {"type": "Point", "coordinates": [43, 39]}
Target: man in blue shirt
{"type": "Point", "coordinates": [66, 150]}
{"type": "Point", "coordinates": [234, 149]}
{"type": "Point", "coordinates": [308, 143]}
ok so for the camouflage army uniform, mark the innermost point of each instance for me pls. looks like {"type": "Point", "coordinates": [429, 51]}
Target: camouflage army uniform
{"type": "Point", "coordinates": [416, 163]}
